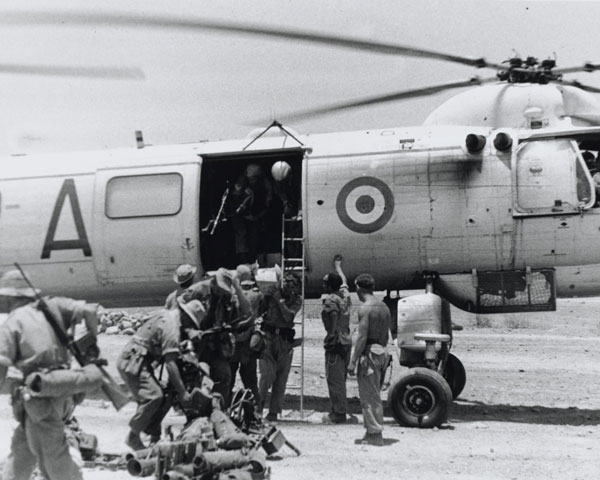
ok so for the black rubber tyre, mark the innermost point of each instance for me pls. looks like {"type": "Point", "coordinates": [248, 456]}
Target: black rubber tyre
{"type": "Point", "coordinates": [421, 398]}
{"type": "Point", "coordinates": [455, 375]}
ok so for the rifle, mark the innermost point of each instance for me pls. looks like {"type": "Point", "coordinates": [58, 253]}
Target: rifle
{"type": "Point", "coordinates": [84, 357]}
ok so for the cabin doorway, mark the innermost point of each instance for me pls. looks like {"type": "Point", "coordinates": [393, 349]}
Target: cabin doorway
{"type": "Point", "coordinates": [243, 199]}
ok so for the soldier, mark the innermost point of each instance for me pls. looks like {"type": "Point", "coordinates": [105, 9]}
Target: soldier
{"type": "Point", "coordinates": [370, 354]}
{"type": "Point", "coordinates": [156, 341]}
{"type": "Point", "coordinates": [183, 277]}
{"type": "Point", "coordinates": [337, 344]}
{"type": "Point", "coordinates": [280, 307]}
{"type": "Point", "coordinates": [28, 342]}
{"type": "Point", "coordinates": [244, 358]}
{"type": "Point", "coordinates": [251, 201]}
{"type": "Point", "coordinates": [226, 305]}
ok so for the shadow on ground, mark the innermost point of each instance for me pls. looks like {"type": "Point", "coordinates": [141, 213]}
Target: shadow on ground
{"type": "Point", "coordinates": [462, 411]}
{"type": "Point", "coordinates": [476, 412]}
{"type": "Point", "coordinates": [537, 415]}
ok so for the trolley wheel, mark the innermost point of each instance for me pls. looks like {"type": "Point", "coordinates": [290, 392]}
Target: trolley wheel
{"type": "Point", "coordinates": [455, 375]}
{"type": "Point", "coordinates": [421, 398]}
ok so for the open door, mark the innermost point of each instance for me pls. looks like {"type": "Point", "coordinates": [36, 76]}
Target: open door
{"type": "Point", "coordinates": [223, 211]}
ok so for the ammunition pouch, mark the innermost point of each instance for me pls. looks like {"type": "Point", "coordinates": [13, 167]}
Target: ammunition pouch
{"type": "Point", "coordinates": [286, 333]}
{"type": "Point", "coordinates": [58, 383]}
{"type": "Point", "coordinates": [133, 359]}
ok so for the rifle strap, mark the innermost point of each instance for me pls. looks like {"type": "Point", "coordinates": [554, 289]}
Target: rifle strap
{"type": "Point", "coordinates": [62, 336]}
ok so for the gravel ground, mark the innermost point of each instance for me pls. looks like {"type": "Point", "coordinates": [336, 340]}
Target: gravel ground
{"type": "Point", "coordinates": [530, 409]}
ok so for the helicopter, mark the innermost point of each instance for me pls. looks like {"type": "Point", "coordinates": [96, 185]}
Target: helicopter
{"type": "Point", "coordinates": [470, 191]}
{"type": "Point", "coordinates": [491, 202]}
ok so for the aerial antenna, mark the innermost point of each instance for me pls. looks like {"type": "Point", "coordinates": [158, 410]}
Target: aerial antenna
{"type": "Point", "coordinates": [275, 123]}
{"type": "Point", "coordinates": [139, 139]}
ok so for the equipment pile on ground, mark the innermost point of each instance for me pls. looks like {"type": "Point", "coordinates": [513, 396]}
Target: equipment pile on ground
{"type": "Point", "coordinates": [213, 446]}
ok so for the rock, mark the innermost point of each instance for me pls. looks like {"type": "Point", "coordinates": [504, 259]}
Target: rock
{"type": "Point", "coordinates": [128, 331]}
{"type": "Point", "coordinates": [112, 330]}
{"type": "Point", "coordinates": [126, 324]}
{"type": "Point", "coordinates": [105, 321]}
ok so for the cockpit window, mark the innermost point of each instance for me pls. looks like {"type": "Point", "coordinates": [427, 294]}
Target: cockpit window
{"type": "Point", "coordinates": [551, 178]}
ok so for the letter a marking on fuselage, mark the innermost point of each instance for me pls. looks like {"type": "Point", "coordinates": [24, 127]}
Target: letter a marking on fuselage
{"type": "Point", "coordinates": [80, 243]}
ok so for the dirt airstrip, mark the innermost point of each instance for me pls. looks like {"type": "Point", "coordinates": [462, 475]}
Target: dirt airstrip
{"type": "Point", "coordinates": [530, 409]}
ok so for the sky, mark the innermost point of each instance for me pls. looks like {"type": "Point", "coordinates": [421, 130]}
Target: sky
{"type": "Point", "coordinates": [206, 85]}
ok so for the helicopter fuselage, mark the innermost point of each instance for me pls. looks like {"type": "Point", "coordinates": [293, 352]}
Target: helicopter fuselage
{"type": "Point", "coordinates": [113, 225]}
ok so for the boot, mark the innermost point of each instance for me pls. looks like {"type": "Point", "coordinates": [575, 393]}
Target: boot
{"type": "Point", "coordinates": [375, 439]}
{"type": "Point", "coordinates": [133, 441]}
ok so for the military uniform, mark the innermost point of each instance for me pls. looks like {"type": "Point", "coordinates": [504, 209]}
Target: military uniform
{"type": "Point", "coordinates": [158, 337]}
{"type": "Point", "coordinates": [370, 371]}
{"type": "Point", "coordinates": [171, 302]}
{"type": "Point", "coordinates": [251, 200]}
{"type": "Point", "coordinates": [28, 342]}
{"type": "Point", "coordinates": [338, 348]}
{"type": "Point", "coordinates": [243, 357]}
{"type": "Point", "coordinates": [218, 347]}
{"type": "Point", "coordinates": [276, 359]}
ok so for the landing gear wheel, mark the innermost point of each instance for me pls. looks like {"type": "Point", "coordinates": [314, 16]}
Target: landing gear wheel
{"type": "Point", "coordinates": [455, 375]}
{"type": "Point", "coordinates": [421, 398]}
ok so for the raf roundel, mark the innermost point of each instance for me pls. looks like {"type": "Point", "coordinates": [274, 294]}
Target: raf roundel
{"type": "Point", "coordinates": [365, 204]}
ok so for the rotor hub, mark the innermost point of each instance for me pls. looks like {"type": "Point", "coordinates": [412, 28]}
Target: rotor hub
{"type": "Point", "coordinates": [529, 70]}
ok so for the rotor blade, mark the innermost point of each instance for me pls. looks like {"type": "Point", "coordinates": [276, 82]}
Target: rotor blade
{"type": "Point", "coordinates": [109, 73]}
{"type": "Point", "coordinates": [391, 97]}
{"type": "Point", "coordinates": [64, 18]}
{"type": "Point", "coordinates": [575, 83]}
{"type": "Point", "coordinates": [587, 67]}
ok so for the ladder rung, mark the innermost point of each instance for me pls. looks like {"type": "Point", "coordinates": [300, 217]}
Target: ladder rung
{"type": "Point", "coordinates": [293, 387]}
{"type": "Point", "coordinates": [295, 268]}
{"type": "Point", "coordinates": [296, 365]}
{"type": "Point", "coordinates": [293, 219]}
{"type": "Point", "coordinates": [294, 239]}
{"type": "Point", "coordinates": [293, 259]}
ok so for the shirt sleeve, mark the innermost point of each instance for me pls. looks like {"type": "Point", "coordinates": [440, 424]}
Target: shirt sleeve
{"type": "Point", "coordinates": [330, 305]}
{"type": "Point", "coordinates": [70, 310]}
{"type": "Point", "coordinates": [8, 342]}
{"type": "Point", "coordinates": [170, 336]}
{"type": "Point", "coordinates": [198, 291]}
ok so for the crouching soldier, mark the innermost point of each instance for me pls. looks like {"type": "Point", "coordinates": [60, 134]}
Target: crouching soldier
{"type": "Point", "coordinates": [29, 343]}
{"type": "Point", "coordinates": [156, 342]}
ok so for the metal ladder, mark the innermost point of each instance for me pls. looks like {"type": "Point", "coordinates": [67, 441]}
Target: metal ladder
{"type": "Point", "coordinates": [290, 242]}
